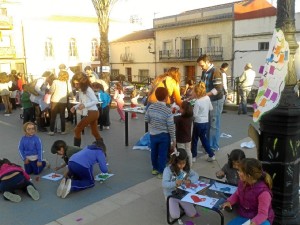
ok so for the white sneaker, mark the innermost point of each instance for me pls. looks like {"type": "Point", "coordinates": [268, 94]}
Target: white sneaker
{"type": "Point", "coordinates": [12, 197]}
{"type": "Point", "coordinates": [34, 194]}
{"type": "Point", "coordinates": [194, 159]}
{"type": "Point", "coordinates": [7, 114]}
{"type": "Point", "coordinates": [67, 188]}
{"type": "Point", "coordinates": [61, 187]}
{"type": "Point", "coordinates": [63, 133]}
{"type": "Point", "coordinates": [210, 159]}
{"type": "Point", "coordinates": [106, 127]}
{"type": "Point", "coordinates": [51, 133]}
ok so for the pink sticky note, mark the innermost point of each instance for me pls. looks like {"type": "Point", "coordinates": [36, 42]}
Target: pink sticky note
{"type": "Point", "coordinates": [261, 69]}
{"type": "Point", "coordinates": [267, 93]}
{"type": "Point", "coordinates": [272, 69]}
{"type": "Point", "coordinates": [274, 96]}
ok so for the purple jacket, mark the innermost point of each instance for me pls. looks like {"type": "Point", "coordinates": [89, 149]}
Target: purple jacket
{"type": "Point", "coordinates": [248, 199]}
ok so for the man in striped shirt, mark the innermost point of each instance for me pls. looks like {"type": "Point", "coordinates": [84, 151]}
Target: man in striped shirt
{"type": "Point", "coordinates": [162, 131]}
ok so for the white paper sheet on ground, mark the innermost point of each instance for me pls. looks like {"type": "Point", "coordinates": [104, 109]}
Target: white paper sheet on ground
{"type": "Point", "coordinates": [223, 135]}
{"type": "Point", "coordinates": [201, 200]}
{"type": "Point", "coordinates": [249, 144]}
{"type": "Point", "coordinates": [138, 147]}
{"type": "Point", "coordinates": [247, 222]}
{"type": "Point", "coordinates": [225, 188]}
{"type": "Point", "coordinates": [53, 176]}
{"type": "Point", "coordinates": [103, 176]}
{"type": "Point", "coordinates": [194, 188]}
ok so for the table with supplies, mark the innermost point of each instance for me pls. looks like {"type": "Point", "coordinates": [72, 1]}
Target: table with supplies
{"type": "Point", "coordinates": [139, 110]}
{"type": "Point", "coordinates": [208, 193]}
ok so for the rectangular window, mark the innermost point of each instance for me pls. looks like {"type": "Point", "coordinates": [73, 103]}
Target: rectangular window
{"type": "Point", "coordinates": [263, 46]}
{"type": "Point", "coordinates": [49, 47]}
{"type": "Point", "coordinates": [143, 76]}
{"type": "Point", "coordinates": [167, 49]}
{"type": "Point", "coordinates": [94, 48]}
{"type": "Point", "coordinates": [190, 48]}
{"type": "Point", "coordinates": [73, 47]}
{"type": "Point", "coordinates": [214, 45]}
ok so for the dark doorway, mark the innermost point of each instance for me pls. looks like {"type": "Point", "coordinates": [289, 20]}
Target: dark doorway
{"type": "Point", "coordinates": [189, 73]}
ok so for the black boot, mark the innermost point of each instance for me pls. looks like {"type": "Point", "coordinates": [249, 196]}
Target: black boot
{"type": "Point", "coordinates": [77, 142]}
{"type": "Point", "coordinates": [100, 143]}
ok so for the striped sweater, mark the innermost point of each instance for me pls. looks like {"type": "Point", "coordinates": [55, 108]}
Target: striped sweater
{"type": "Point", "coordinates": [160, 119]}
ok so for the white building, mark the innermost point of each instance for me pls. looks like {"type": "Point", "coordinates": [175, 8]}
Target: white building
{"type": "Point", "coordinates": [252, 44]}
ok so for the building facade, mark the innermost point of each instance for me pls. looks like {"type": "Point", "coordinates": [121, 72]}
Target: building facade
{"type": "Point", "coordinates": [40, 35]}
{"type": "Point", "coordinates": [134, 56]}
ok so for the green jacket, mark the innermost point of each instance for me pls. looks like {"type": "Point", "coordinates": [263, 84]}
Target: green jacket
{"type": "Point", "coordinates": [69, 152]}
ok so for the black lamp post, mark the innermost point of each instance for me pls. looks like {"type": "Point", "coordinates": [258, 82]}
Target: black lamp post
{"type": "Point", "coordinates": [279, 148]}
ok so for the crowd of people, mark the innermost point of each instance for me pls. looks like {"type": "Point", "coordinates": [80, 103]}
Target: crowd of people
{"type": "Point", "coordinates": [173, 138]}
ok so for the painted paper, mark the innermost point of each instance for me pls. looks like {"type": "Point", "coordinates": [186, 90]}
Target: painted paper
{"type": "Point", "coordinates": [201, 200]}
{"type": "Point", "coordinates": [53, 176]}
{"type": "Point", "coordinates": [273, 75]}
{"type": "Point", "coordinates": [103, 176]}
{"type": "Point", "coordinates": [221, 187]}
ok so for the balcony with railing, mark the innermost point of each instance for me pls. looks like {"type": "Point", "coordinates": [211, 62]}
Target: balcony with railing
{"type": "Point", "coordinates": [126, 58]}
{"type": "Point", "coordinates": [6, 22]}
{"type": "Point", "coordinates": [7, 52]}
{"type": "Point", "coordinates": [216, 53]}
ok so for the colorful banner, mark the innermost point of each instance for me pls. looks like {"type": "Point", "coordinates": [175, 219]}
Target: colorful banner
{"type": "Point", "coordinates": [273, 75]}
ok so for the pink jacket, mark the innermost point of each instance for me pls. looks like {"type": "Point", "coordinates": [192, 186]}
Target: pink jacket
{"type": "Point", "coordinates": [7, 169]}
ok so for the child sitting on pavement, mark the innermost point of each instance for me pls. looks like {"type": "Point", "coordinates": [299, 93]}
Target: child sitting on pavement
{"type": "Point", "coordinates": [31, 150]}
{"type": "Point", "coordinates": [229, 170]}
{"type": "Point", "coordinates": [253, 195]}
{"type": "Point", "coordinates": [178, 172]}
{"type": "Point", "coordinates": [80, 169]}
{"type": "Point", "coordinates": [13, 178]}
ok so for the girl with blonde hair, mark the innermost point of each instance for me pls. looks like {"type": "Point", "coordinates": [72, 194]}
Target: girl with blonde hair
{"type": "Point", "coordinates": [60, 90]}
{"type": "Point", "coordinates": [201, 122]}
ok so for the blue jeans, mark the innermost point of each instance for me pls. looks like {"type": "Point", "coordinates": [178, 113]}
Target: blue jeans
{"type": "Point", "coordinates": [240, 220]}
{"type": "Point", "coordinates": [200, 130]}
{"type": "Point", "coordinates": [160, 145]}
{"type": "Point", "coordinates": [215, 123]}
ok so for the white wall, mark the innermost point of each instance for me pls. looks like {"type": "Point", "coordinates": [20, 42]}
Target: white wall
{"type": "Point", "coordinates": [246, 43]}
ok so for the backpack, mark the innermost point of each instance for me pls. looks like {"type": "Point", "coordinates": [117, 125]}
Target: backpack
{"type": "Point", "coordinates": [31, 87]}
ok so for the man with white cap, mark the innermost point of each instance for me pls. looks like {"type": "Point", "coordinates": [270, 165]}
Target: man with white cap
{"type": "Point", "coordinates": [245, 84]}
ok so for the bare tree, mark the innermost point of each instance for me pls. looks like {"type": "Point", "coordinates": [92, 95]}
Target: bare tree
{"type": "Point", "coordinates": [103, 9]}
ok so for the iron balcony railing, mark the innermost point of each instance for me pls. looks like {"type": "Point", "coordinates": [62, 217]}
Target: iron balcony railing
{"type": "Point", "coordinates": [216, 53]}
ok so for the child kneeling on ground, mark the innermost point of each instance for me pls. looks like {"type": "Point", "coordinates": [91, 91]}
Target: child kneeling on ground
{"type": "Point", "coordinates": [80, 169]}
{"type": "Point", "coordinates": [178, 172]}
